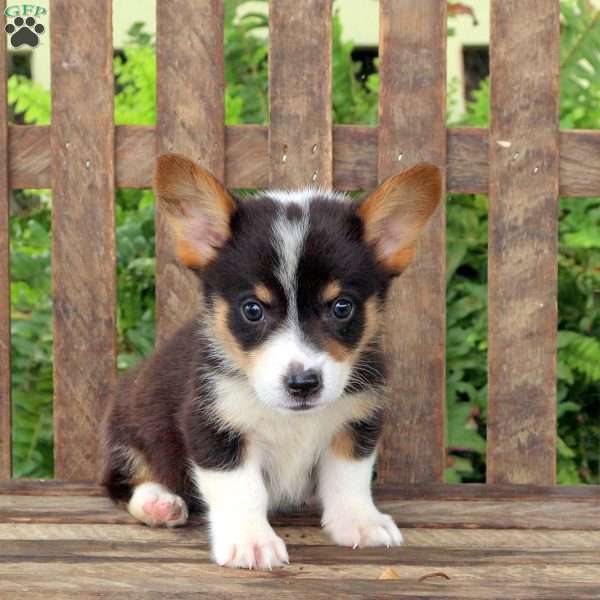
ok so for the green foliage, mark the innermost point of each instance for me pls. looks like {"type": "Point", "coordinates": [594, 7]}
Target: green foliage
{"type": "Point", "coordinates": [31, 329]}
{"type": "Point", "coordinates": [246, 101]}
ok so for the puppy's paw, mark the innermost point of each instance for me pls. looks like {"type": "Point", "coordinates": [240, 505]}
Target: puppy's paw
{"type": "Point", "coordinates": [362, 528]}
{"type": "Point", "coordinates": [249, 546]}
{"type": "Point", "coordinates": [156, 506]}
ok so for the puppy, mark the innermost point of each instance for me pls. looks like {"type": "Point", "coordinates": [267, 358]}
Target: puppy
{"type": "Point", "coordinates": [274, 391]}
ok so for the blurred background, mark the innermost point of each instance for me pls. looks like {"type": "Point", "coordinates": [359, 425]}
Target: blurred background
{"type": "Point", "coordinates": [355, 100]}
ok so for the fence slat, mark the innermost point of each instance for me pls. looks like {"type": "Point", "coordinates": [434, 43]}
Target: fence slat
{"type": "Point", "coordinates": [412, 129]}
{"type": "Point", "coordinates": [300, 137]}
{"type": "Point", "coordinates": [83, 229]}
{"type": "Point", "coordinates": [524, 163]}
{"type": "Point", "coordinates": [354, 158]}
{"type": "Point", "coordinates": [5, 401]}
{"type": "Point", "coordinates": [190, 121]}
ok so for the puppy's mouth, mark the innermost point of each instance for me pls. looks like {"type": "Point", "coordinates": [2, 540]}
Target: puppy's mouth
{"type": "Point", "coordinates": [304, 405]}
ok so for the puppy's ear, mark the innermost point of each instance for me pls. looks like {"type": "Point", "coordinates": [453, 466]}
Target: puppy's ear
{"type": "Point", "coordinates": [197, 206]}
{"type": "Point", "coordinates": [396, 212]}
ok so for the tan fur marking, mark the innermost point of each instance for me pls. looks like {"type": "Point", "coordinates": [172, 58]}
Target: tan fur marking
{"type": "Point", "coordinates": [396, 212]}
{"type": "Point", "coordinates": [197, 206]}
{"type": "Point", "coordinates": [372, 320]}
{"type": "Point", "coordinates": [337, 351]}
{"type": "Point", "coordinates": [399, 261]}
{"type": "Point", "coordinates": [342, 445]}
{"type": "Point", "coordinates": [226, 338]}
{"type": "Point", "coordinates": [263, 293]}
{"type": "Point", "coordinates": [139, 470]}
{"type": "Point", "coordinates": [331, 291]}
{"type": "Point", "coordinates": [188, 255]}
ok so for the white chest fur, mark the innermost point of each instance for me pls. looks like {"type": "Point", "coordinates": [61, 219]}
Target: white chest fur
{"type": "Point", "coordinates": [287, 444]}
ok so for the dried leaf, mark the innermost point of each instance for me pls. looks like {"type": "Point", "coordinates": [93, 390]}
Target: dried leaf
{"type": "Point", "coordinates": [389, 573]}
{"type": "Point", "coordinates": [431, 575]}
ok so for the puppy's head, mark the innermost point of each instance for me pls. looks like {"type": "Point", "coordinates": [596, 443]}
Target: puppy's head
{"type": "Point", "coordinates": [294, 281]}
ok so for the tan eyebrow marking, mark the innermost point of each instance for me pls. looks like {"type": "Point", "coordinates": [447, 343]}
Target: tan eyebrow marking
{"type": "Point", "coordinates": [263, 293]}
{"type": "Point", "coordinates": [331, 291]}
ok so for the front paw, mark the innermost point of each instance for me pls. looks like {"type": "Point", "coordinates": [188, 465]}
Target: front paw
{"type": "Point", "coordinates": [250, 545]}
{"type": "Point", "coordinates": [361, 528]}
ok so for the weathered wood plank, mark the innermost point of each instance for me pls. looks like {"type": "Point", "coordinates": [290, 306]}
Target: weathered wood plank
{"type": "Point", "coordinates": [419, 491]}
{"type": "Point", "coordinates": [522, 255]}
{"type": "Point", "coordinates": [316, 559]}
{"type": "Point", "coordinates": [555, 514]}
{"type": "Point", "coordinates": [354, 158]}
{"type": "Point", "coordinates": [190, 121]}
{"type": "Point", "coordinates": [541, 540]}
{"type": "Point", "coordinates": [50, 487]}
{"type": "Point", "coordinates": [353, 589]}
{"type": "Point", "coordinates": [83, 230]}
{"type": "Point", "coordinates": [300, 580]}
{"type": "Point", "coordinates": [300, 138]}
{"type": "Point", "coordinates": [5, 400]}
{"type": "Point", "coordinates": [412, 129]}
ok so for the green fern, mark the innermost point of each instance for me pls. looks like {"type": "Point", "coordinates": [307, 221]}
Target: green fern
{"type": "Point", "coordinates": [581, 353]}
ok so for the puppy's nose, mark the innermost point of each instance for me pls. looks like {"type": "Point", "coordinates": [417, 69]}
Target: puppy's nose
{"type": "Point", "coordinates": [303, 383]}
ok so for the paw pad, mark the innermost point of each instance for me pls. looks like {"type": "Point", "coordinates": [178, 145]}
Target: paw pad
{"type": "Point", "coordinates": [24, 32]}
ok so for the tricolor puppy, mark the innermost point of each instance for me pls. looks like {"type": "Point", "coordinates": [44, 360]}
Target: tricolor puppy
{"type": "Point", "coordinates": [274, 391]}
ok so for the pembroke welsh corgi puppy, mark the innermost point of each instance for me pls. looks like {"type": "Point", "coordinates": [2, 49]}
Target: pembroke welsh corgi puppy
{"type": "Point", "coordinates": [274, 392]}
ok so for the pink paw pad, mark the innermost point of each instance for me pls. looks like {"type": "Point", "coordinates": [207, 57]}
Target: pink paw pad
{"type": "Point", "coordinates": [163, 511]}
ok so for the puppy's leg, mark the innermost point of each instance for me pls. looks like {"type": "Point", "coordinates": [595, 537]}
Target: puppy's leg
{"type": "Point", "coordinates": [237, 502]}
{"type": "Point", "coordinates": [349, 515]}
{"type": "Point", "coordinates": [153, 504]}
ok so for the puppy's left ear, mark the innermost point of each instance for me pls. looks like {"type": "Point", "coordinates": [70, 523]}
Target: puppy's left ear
{"type": "Point", "coordinates": [396, 212]}
{"type": "Point", "coordinates": [197, 206]}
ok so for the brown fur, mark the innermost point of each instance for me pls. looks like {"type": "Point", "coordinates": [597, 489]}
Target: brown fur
{"type": "Point", "coordinates": [395, 213]}
{"type": "Point", "coordinates": [342, 444]}
{"type": "Point", "coordinates": [197, 206]}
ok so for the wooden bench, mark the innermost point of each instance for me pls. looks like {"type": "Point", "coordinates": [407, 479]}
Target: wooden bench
{"type": "Point", "coordinates": [518, 535]}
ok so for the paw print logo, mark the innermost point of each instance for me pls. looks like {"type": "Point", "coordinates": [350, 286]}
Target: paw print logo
{"type": "Point", "coordinates": [24, 32]}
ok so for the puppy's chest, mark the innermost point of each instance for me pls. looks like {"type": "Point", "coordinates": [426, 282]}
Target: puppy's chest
{"type": "Point", "coordinates": [289, 450]}
{"type": "Point", "coordinates": [288, 446]}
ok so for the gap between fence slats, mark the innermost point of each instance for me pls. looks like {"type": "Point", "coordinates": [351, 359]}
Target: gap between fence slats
{"type": "Point", "coordinates": [83, 230]}
{"type": "Point", "coordinates": [190, 121]}
{"type": "Point", "coordinates": [5, 400]}
{"type": "Point", "coordinates": [412, 129]}
{"type": "Point", "coordinates": [522, 254]}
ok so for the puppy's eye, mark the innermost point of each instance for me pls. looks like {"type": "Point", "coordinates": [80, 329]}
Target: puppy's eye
{"type": "Point", "coordinates": [342, 309]}
{"type": "Point", "coordinates": [252, 311]}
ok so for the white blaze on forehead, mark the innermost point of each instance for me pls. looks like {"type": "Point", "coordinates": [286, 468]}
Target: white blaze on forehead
{"type": "Point", "coordinates": [289, 235]}
{"type": "Point", "coordinates": [304, 196]}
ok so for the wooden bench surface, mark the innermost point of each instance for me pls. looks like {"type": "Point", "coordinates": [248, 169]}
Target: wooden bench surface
{"type": "Point", "coordinates": [62, 540]}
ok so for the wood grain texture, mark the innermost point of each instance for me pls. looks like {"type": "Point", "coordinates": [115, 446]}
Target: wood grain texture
{"type": "Point", "coordinates": [522, 253]}
{"type": "Point", "coordinates": [412, 129]}
{"type": "Point", "coordinates": [5, 400]}
{"type": "Point", "coordinates": [83, 554]}
{"type": "Point", "coordinates": [190, 121]}
{"type": "Point", "coordinates": [300, 137]}
{"type": "Point", "coordinates": [354, 158]}
{"type": "Point", "coordinates": [402, 492]}
{"type": "Point", "coordinates": [83, 230]}
{"type": "Point", "coordinates": [556, 514]}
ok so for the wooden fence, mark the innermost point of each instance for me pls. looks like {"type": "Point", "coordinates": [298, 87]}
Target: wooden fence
{"type": "Point", "coordinates": [523, 162]}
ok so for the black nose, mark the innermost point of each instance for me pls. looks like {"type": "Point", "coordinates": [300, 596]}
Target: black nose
{"type": "Point", "coordinates": [303, 383]}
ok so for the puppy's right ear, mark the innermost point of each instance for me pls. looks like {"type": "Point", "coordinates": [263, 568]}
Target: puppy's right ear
{"type": "Point", "coordinates": [197, 206]}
